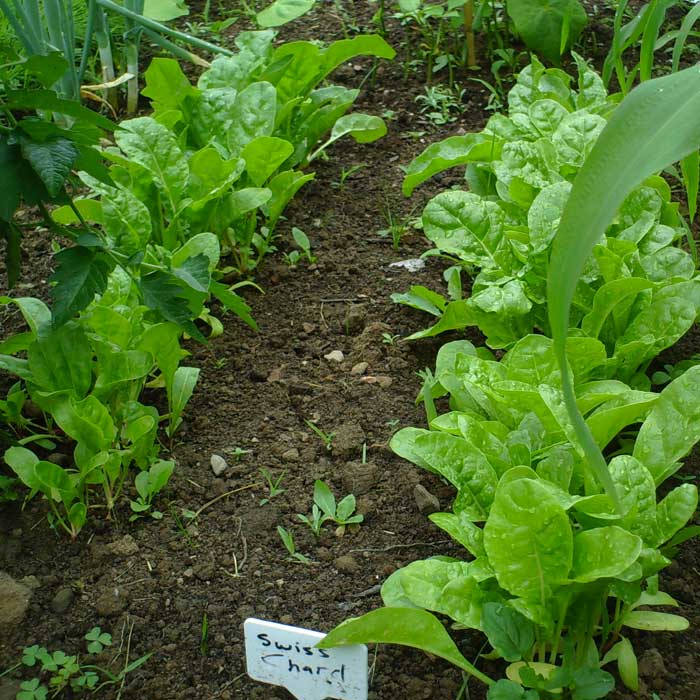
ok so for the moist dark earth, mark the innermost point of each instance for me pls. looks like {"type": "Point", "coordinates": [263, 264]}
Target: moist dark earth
{"type": "Point", "coordinates": [151, 583]}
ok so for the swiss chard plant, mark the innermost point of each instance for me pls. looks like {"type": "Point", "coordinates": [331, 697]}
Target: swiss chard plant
{"type": "Point", "coordinates": [87, 377]}
{"type": "Point", "coordinates": [554, 575]}
{"type": "Point", "coordinates": [226, 156]}
{"type": "Point", "coordinates": [637, 290]}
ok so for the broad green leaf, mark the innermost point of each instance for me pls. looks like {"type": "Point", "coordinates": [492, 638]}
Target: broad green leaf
{"type": "Point", "coordinates": [603, 552]}
{"type": "Point", "coordinates": [544, 215]}
{"type": "Point", "coordinates": [249, 198]}
{"type": "Point", "coordinates": [461, 529]}
{"type": "Point", "coordinates": [164, 10]}
{"type": "Point", "coordinates": [619, 412]}
{"type": "Point", "coordinates": [194, 272]}
{"type": "Point", "coordinates": [505, 689]}
{"type": "Point", "coordinates": [36, 314]}
{"type": "Point", "coordinates": [444, 587]}
{"type": "Point", "coordinates": [115, 367]}
{"type": "Point", "coordinates": [283, 187]}
{"type": "Point", "coordinates": [22, 462]}
{"type": "Point", "coordinates": [303, 71]}
{"type": "Point", "coordinates": [206, 244]}
{"type": "Point", "coordinates": [575, 137]}
{"type": "Point", "coordinates": [211, 175]}
{"type": "Point", "coordinates": [166, 84]}
{"type": "Point", "coordinates": [465, 225]}
{"type": "Point", "coordinates": [414, 628]}
{"type": "Point", "coordinates": [510, 634]}
{"type": "Point", "coordinates": [652, 127]}
{"type": "Point", "coordinates": [52, 160]}
{"type": "Point", "coordinates": [263, 155]}
{"type": "Point", "coordinates": [184, 382]}
{"type": "Point", "coordinates": [363, 45]}
{"type": "Point", "coordinates": [233, 302]}
{"type": "Point", "coordinates": [324, 498]}
{"type": "Point", "coordinates": [364, 128]}
{"type": "Point", "coordinates": [675, 510]}
{"type": "Point", "coordinates": [635, 487]}
{"type": "Point", "coordinates": [253, 115]}
{"type": "Point", "coordinates": [541, 24]}
{"type": "Point", "coordinates": [453, 151]}
{"type": "Point", "coordinates": [81, 273]}
{"type": "Point", "coordinates": [62, 361]}
{"type": "Point", "coordinates": [212, 116]}
{"type": "Point", "coordinates": [627, 667]}
{"type": "Point", "coordinates": [528, 540]}
{"type": "Point", "coordinates": [672, 427]}
{"type": "Point", "coordinates": [48, 100]}
{"type": "Point", "coordinates": [652, 621]}
{"type": "Point", "coordinates": [77, 516]}
{"type": "Point", "coordinates": [282, 11]}
{"type": "Point", "coordinates": [88, 422]}
{"type": "Point", "coordinates": [162, 342]}
{"type": "Point", "coordinates": [56, 482]}
{"type": "Point", "coordinates": [154, 147]}
{"type": "Point", "coordinates": [609, 296]}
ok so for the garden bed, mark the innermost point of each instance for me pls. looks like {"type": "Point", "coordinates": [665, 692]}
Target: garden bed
{"type": "Point", "coordinates": [151, 583]}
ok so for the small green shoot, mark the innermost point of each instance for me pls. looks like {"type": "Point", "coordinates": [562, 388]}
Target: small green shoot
{"type": "Point", "coordinates": [389, 339]}
{"type": "Point", "coordinates": [204, 636]}
{"type": "Point", "coordinates": [326, 438]}
{"type": "Point", "coordinates": [273, 485]}
{"type": "Point", "coordinates": [238, 452]}
{"type": "Point", "coordinates": [346, 174]}
{"type": "Point", "coordinates": [441, 104]}
{"type": "Point", "coordinates": [288, 541]}
{"type": "Point", "coordinates": [302, 240]}
{"type": "Point", "coordinates": [326, 509]}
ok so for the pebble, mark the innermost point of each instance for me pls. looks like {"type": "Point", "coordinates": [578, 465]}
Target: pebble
{"type": "Point", "coordinates": [348, 438]}
{"type": "Point", "coordinates": [62, 600]}
{"type": "Point", "coordinates": [291, 455]}
{"type": "Point", "coordinates": [359, 369]}
{"type": "Point", "coordinates": [14, 600]}
{"type": "Point", "coordinates": [112, 602]}
{"type": "Point", "coordinates": [355, 319]}
{"type": "Point", "coordinates": [335, 356]}
{"type": "Point", "coordinates": [380, 380]}
{"type": "Point", "coordinates": [346, 564]}
{"type": "Point", "coordinates": [218, 464]}
{"type": "Point", "coordinates": [426, 501]}
{"type": "Point", "coordinates": [359, 478]}
{"type": "Point", "coordinates": [651, 664]}
{"type": "Point", "coordinates": [124, 547]}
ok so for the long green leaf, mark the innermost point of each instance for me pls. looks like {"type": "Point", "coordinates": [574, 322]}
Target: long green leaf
{"type": "Point", "coordinates": [654, 126]}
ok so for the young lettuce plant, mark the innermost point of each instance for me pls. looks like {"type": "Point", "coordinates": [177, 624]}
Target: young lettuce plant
{"type": "Point", "coordinates": [555, 574]}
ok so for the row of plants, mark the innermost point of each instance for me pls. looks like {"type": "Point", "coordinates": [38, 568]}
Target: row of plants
{"type": "Point", "coordinates": [180, 201]}
{"type": "Point", "coordinates": [559, 452]}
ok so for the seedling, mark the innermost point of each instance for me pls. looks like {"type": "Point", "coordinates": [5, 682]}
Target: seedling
{"type": "Point", "coordinates": [204, 636]}
{"type": "Point", "coordinates": [288, 541]}
{"type": "Point", "coordinates": [441, 104]}
{"type": "Point", "coordinates": [148, 483]}
{"type": "Point", "coordinates": [302, 240]}
{"type": "Point", "coordinates": [327, 438]}
{"type": "Point", "coordinates": [98, 640]}
{"type": "Point", "coordinates": [238, 452]}
{"type": "Point", "coordinates": [347, 173]}
{"type": "Point", "coordinates": [273, 485]}
{"type": "Point", "coordinates": [389, 339]}
{"type": "Point", "coordinates": [325, 508]}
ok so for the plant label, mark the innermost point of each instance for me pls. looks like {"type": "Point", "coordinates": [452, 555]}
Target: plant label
{"type": "Point", "coordinates": [287, 656]}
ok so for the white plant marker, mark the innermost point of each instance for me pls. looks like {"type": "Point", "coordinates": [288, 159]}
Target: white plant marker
{"type": "Point", "coordinates": [286, 656]}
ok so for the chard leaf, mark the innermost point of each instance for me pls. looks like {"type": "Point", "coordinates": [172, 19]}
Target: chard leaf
{"type": "Point", "coordinates": [603, 552]}
{"type": "Point", "coordinates": [575, 137]}
{"type": "Point", "coordinates": [448, 153]}
{"type": "Point", "coordinates": [194, 272]}
{"type": "Point", "coordinates": [653, 127]}
{"type": "Point", "coordinates": [614, 415]}
{"type": "Point", "coordinates": [528, 540]}
{"type": "Point", "coordinates": [283, 187]}
{"type": "Point", "coordinates": [263, 155]}
{"type": "Point", "coordinates": [114, 368]}
{"type": "Point", "coordinates": [461, 529]}
{"type": "Point", "coordinates": [672, 427]}
{"type": "Point", "coordinates": [511, 634]}
{"type": "Point", "coordinates": [233, 302]}
{"type": "Point", "coordinates": [303, 71]}
{"type": "Point", "coordinates": [184, 381]}
{"type": "Point", "coordinates": [445, 587]}
{"type": "Point", "coordinates": [544, 214]}
{"type": "Point", "coordinates": [88, 422]}
{"type": "Point", "coordinates": [282, 11]}
{"type": "Point", "coordinates": [212, 116]}
{"type": "Point", "coordinates": [465, 225]}
{"type": "Point", "coordinates": [155, 148]}
{"type": "Point", "coordinates": [166, 84]}
{"type": "Point", "coordinates": [413, 628]}
{"type": "Point", "coordinates": [652, 621]}
{"type": "Point", "coordinates": [363, 45]}
{"type": "Point", "coordinates": [637, 492]}
{"type": "Point", "coordinates": [675, 510]}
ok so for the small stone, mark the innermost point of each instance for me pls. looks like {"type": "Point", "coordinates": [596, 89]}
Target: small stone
{"type": "Point", "coordinates": [381, 380]}
{"type": "Point", "coordinates": [355, 319]}
{"type": "Point", "coordinates": [426, 502]}
{"type": "Point", "coordinates": [218, 464]}
{"type": "Point", "coordinates": [31, 582]}
{"type": "Point", "coordinates": [291, 455]}
{"type": "Point", "coordinates": [359, 478]}
{"type": "Point", "coordinates": [348, 438]}
{"type": "Point", "coordinates": [205, 570]}
{"type": "Point", "coordinates": [335, 356]}
{"type": "Point", "coordinates": [346, 564]}
{"type": "Point", "coordinates": [112, 602]}
{"type": "Point", "coordinates": [359, 369]}
{"type": "Point", "coordinates": [308, 327]}
{"type": "Point", "coordinates": [14, 600]}
{"type": "Point", "coordinates": [124, 547]}
{"type": "Point", "coordinates": [62, 600]}
{"type": "Point", "coordinates": [651, 664]}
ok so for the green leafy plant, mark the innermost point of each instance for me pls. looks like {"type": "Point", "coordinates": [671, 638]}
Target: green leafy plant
{"type": "Point", "coordinates": [441, 105]}
{"type": "Point", "coordinates": [288, 541]}
{"type": "Point", "coordinates": [326, 438]}
{"type": "Point", "coordinates": [56, 673]}
{"type": "Point", "coordinates": [548, 548]}
{"type": "Point", "coordinates": [326, 509]}
{"type": "Point", "coordinates": [519, 172]}
{"type": "Point", "coordinates": [302, 240]}
{"type": "Point", "coordinates": [149, 483]}
{"type": "Point", "coordinates": [273, 485]}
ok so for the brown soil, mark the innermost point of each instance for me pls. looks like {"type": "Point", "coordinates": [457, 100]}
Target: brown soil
{"type": "Point", "coordinates": [256, 392]}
